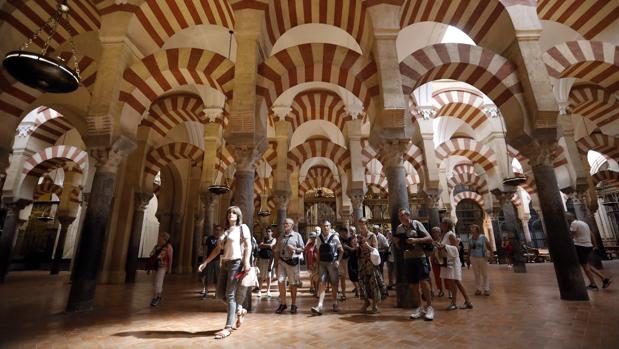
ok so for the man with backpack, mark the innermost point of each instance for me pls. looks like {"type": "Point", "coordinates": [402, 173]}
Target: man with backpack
{"type": "Point", "coordinates": [289, 252]}
{"type": "Point", "coordinates": [330, 254]}
{"type": "Point", "coordinates": [412, 237]}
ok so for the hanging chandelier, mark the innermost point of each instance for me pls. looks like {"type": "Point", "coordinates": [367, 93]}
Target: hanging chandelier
{"type": "Point", "coordinates": [40, 71]}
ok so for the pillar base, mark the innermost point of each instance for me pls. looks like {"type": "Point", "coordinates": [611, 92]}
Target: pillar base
{"type": "Point", "coordinates": [81, 297]}
{"type": "Point", "coordinates": [404, 296]}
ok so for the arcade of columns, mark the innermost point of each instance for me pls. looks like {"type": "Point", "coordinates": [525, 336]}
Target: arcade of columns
{"type": "Point", "coordinates": [279, 102]}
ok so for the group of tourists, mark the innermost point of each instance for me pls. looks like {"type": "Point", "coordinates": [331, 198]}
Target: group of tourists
{"type": "Point", "coordinates": [431, 264]}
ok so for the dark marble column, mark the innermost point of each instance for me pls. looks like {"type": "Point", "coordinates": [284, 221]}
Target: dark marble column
{"type": "Point", "coordinates": [432, 197]}
{"type": "Point", "coordinates": [392, 158]}
{"type": "Point", "coordinates": [512, 224]}
{"type": "Point", "coordinates": [9, 230]}
{"type": "Point", "coordinates": [65, 222]}
{"type": "Point", "coordinates": [357, 206]}
{"type": "Point", "coordinates": [243, 196]}
{"type": "Point", "coordinates": [198, 234]}
{"type": "Point", "coordinates": [281, 198]}
{"type": "Point", "coordinates": [90, 248]}
{"type": "Point", "coordinates": [560, 244]}
{"type": "Point", "coordinates": [140, 201]}
{"type": "Point", "coordinates": [584, 214]}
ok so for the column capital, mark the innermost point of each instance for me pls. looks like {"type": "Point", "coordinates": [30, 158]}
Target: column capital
{"type": "Point", "coordinates": [502, 196]}
{"type": "Point", "coordinates": [108, 158]}
{"type": "Point", "coordinates": [246, 157]}
{"type": "Point", "coordinates": [281, 198]}
{"type": "Point", "coordinates": [542, 154]}
{"type": "Point", "coordinates": [15, 205]}
{"type": "Point", "coordinates": [391, 152]}
{"type": "Point", "coordinates": [65, 221]}
{"type": "Point", "coordinates": [141, 200]}
{"type": "Point", "coordinates": [281, 111]}
{"type": "Point", "coordinates": [213, 113]}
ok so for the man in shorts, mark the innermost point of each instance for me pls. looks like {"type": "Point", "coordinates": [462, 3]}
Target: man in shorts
{"type": "Point", "coordinates": [409, 236]}
{"type": "Point", "coordinates": [288, 254]}
{"type": "Point", "coordinates": [583, 242]}
{"type": "Point", "coordinates": [330, 254]}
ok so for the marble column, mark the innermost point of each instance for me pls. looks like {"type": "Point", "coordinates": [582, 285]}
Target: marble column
{"type": "Point", "coordinates": [65, 222]}
{"type": "Point", "coordinates": [9, 230]}
{"type": "Point", "coordinates": [198, 234]}
{"type": "Point", "coordinates": [496, 229]}
{"type": "Point", "coordinates": [357, 206]}
{"type": "Point", "coordinates": [140, 201]}
{"type": "Point", "coordinates": [244, 178]}
{"type": "Point", "coordinates": [512, 224]}
{"type": "Point", "coordinates": [584, 214]}
{"type": "Point", "coordinates": [525, 229]}
{"type": "Point", "coordinates": [432, 197]}
{"type": "Point", "coordinates": [89, 251]}
{"type": "Point", "coordinates": [560, 244]}
{"type": "Point", "coordinates": [392, 159]}
{"type": "Point", "coordinates": [281, 199]}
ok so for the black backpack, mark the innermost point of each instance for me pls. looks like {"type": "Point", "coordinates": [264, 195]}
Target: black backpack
{"type": "Point", "coordinates": [326, 251]}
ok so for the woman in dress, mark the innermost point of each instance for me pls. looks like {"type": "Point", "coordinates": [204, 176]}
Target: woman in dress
{"type": "Point", "coordinates": [371, 285]}
{"type": "Point", "coordinates": [451, 271]}
{"type": "Point", "coordinates": [236, 246]}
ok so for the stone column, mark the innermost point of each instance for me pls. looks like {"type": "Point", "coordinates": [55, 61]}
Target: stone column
{"type": "Point", "coordinates": [512, 224]}
{"type": "Point", "coordinates": [584, 214]}
{"type": "Point", "coordinates": [560, 244]}
{"type": "Point", "coordinates": [281, 200]}
{"type": "Point", "coordinates": [89, 251]}
{"type": "Point", "coordinates": [525, 229]}
{"type": "Point", "coordinates": [392, 156]}
{"type": "Point", "coordinates": [9, 229]}
{"type": "Point", "coordinates": [65, 222]}
{"type": "Point", "coordinates": [494, 225]}
{"type": "Point", "coordinates": [198, 234]}
{"type": "Point", "coordinates": [243, 197]}
{"type": "Point", "coordinates": [432, 197]}
{"type": "Point", "coordinates": [357, 206]}
{"type": "Point", "coordinates": [140, 201]}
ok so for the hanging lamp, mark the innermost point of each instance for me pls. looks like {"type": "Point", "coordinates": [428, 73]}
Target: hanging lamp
{"type": "Point", "coordinates": [517, 179]}
{"type": "Point", "coordinates": [220, 189]}
{"type": "Point", "coordinates": [39, 70]}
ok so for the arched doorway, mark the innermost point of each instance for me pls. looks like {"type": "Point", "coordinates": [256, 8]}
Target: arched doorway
{"type": "Point", "coordinates": [468, 213]}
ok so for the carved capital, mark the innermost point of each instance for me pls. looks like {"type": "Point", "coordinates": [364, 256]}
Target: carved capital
{"type": "Point", "coordinates": [281, 199]}
{"type": "Point", "coordinates": [281, 112]}
{"type": "Point", "coordinates": [107, 159]}
{"type": "Point", "coordinates": [502, 196]}
{"type": "Point", "coordinates": [213, 113]}
{"type": "Point", "coordinates": [85, 198]}
{"type": "Point", "coordinates": [141, 200]}
{"type": "Point", "coordinates": [246, 157]}
{"type": "Point", "coordinates": [65, 221]}
{"type": "Point", "coordinates": [357, 201]}
{"type": "Point", "coordinates": [392, 152]}
{"type": "Point", "coordinates": [543, 154]}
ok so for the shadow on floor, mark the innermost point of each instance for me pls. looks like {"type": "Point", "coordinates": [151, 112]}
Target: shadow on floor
{"type": "Point", "coordinates": [363, 318]}
{"type": "Point", "coordinates": [166, 334]}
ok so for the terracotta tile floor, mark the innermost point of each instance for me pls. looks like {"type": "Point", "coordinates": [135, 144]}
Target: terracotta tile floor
{"type": "Point", "coordinates": [524, 311]}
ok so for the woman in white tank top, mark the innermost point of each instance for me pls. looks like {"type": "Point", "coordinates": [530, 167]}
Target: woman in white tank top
{"type": "Point", "coordinates": [236, 246]}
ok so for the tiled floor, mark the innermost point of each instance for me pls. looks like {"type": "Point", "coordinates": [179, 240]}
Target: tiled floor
{"type": "Point", "coordinates": [524, 311]}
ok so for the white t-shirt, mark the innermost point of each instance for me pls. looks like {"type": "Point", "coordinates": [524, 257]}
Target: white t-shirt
{"type": "Point", "coordinates": [582, 233]}
{"type": "Point", "coordinates": [232, 242]}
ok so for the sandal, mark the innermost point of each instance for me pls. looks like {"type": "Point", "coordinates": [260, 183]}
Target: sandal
{"type": "Point", "coordinates": [223, 333]}
{"type": "Point", "coordinates": [239, 317]}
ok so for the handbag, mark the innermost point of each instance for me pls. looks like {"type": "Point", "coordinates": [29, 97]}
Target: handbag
{"type": "Point", "coordinates": [250, 279]}
{"type": "Point", "coordinates": [375, 257]}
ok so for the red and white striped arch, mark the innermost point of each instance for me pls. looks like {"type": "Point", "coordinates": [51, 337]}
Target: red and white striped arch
{"type": "Point", "coordinates": [604, 144]}
{"type": "Point", "coordinates": [163, 71]}
{"type": "Point", "coordinates": [607, 177]}
{"type": "Point", "coordinates": [317, 62]}
{"type": "Point", "coordinates": [461, 104]}
{"type": "Point", "coordinates": [270, 154]}
{"type": "Point", "coordinates": [59, 156]}
{"type": "Point", "coordinates": [469, 195]}
{"type": "Point", "coordinates": [161, 19]}
{"type": "Point", "coordinates": [476, 152]}
{"type": "Point", "coordinates": [594, 103]}
{"type": "Point", "coordinates": [318, 105]}
{"type": "Point", "coordinates": [469, 179]}
{"type": "Point", "coordinates": [270, 204]}
{"type": "Point", "coordinates": [46, 187]}
{"type": "Point", "coordinates": [475, 18]}
{"type": "Point", "coordinates": [367, 152]}
{"type": "Point", "coordinates": [224, 160]}
{"type": "Point", "coordinates": [588, 17]}
{"type": "Point", "coordinates": [160, 157]}
{"type": "Point", "coordinates": [167, 112]}
{"type": "Point", "coordinates": [593, 61]}
{"type": "Point", "coordinates": [489, 72]}
{"type": "Point", "coordinates": [320, 177]}
{"type": "Point", "coordinates": [49, 125]}
{"type": "Point", "coordinates": [16, 98]}
{"type": "Point", "coordinates": [463, 168]}
{"type": "Point", "coordinates": [262, 185]}
{"type": "Point", "coordinates": [319, 148]}
{"type": "Point", "coordinates": [377, 179]}
{"type": "Point", "coordinates": [349, 15]}
{"type": "Point", "coordinates": [24, 17]}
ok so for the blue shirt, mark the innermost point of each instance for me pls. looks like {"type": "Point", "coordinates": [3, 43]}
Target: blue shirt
{"type": "Point", "coordinates": [477, 248]}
